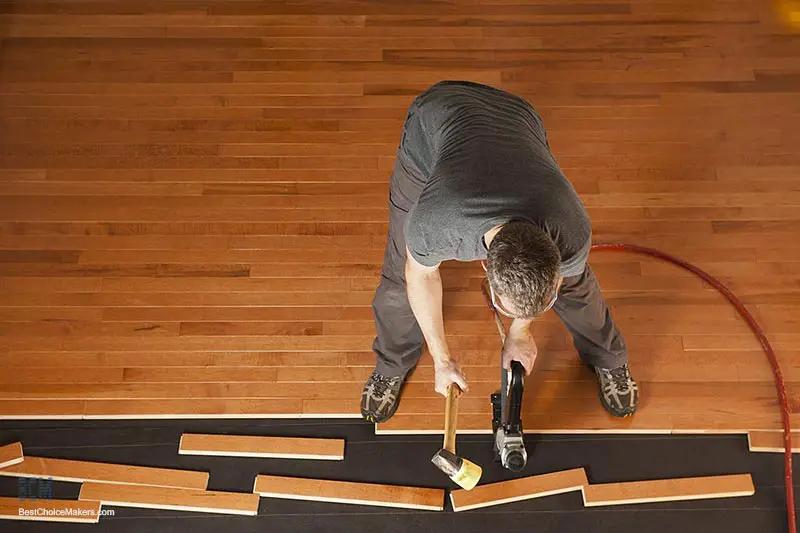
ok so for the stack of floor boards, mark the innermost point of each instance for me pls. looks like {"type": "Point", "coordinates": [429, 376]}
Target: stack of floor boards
{"type": "Point", "coordinates": [104, 484]}
{"type": "Point", "coordinates": [159, 488]}
{"type": "Point", "coordinates": [115, 484]}
{"type": "Point", "coordinates": [310, 489]}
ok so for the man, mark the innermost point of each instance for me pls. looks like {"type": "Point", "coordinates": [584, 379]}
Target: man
{"type": "Point", "coordinates": [474, 179]}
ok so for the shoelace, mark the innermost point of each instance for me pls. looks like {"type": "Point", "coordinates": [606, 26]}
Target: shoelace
{"type": "Point", "coordinates": [620, 377]}
{"type": "Point", "coordinates": [381, 384]}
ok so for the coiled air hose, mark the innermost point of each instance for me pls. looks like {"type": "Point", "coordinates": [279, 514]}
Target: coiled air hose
{"type": "Point", "coordinates": [783, 401]}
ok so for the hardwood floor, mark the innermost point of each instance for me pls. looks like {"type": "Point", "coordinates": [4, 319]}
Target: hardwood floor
{"type": "Point", "coordinates": [193, 202]}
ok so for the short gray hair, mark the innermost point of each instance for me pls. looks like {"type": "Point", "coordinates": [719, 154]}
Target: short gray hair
{"type": "Point", "coordinates": [523, 266]}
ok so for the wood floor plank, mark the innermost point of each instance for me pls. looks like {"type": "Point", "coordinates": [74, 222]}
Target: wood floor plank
{"type": "Point", "coordinates": [59, 375]}
{"type": "Point", "coordinates": [519, 489]}
{"type": "Point", "coordinates": [11, 454]}
{"type": "Point", "coordinates": [42, 409]}
{"type": "Point", "coordinates": [84, 512]}
{"type": "Point", "coordinates": [668, 490]}
{"type": "Point", "coordinates": [200, 358]}
{"type": "Point", "coordinates": [771, 441]}
{"type": "Point", "coordinates": [349, 492]}
{"type": "Point", "coordinates": [592, 421]}
{"type": "Point", "coordinates": [266, 447]}
{"type": "Point", "coordinates": [200, 391]}
{"type": "Point", "coordinates": [85, 471]}
{"type": "Point", "coordinates": [187, 408]}
{"type": "Point", "coordinates": [342, 89]}
{"type": "Point", "coordinates": [170, 498]}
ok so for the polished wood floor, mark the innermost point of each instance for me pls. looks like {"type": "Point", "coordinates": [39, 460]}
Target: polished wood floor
{"type": "Point", "coordinates": [193, 202]}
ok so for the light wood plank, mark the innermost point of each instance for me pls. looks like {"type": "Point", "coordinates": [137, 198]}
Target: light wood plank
{"type": "Point", "coordinates": [11, 454]}
{"type": "Point", "coordinates": [42, 409]}
{"type": "Point", "coordinates": [517, 490]}
{"type": "Point", "coordinates": [85, 471]}
{"type": "Point", "coordinates": [350, 493]}
{"type": "Point", "coordinates": [266, 447]}
{"type": "Point", "coordinates": [82, 512]}
{"type": "Point", "coordinates": [668, 490]}
{"type": "Point", "coordinates": [184, 408]}
{"type": "Point", "coordinates": [175, 499]}
{"type": "Point", "coordinates": [771, 441]}
{"type": "Point", "coordinates": [595, 420]}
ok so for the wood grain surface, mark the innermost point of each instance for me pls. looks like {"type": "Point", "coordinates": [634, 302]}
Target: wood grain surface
{"type": "Point", "coordinates": [171, 498]}
{"type": "Point", "coordinates": [89, 471]}
{"type": "Point", "coordinates": [41, 510]}
{"type": "Point", "coordinates": [266, 447]}
{"type": "Point", "coordinates": [347, 492]}
{"type": "Point", "coordinates": [771, 441]}
{"type": "Point", "coordinates": [193, 203]}
{"type": "Point", "coordinates": [521, 489]}
{"type": "Point", "coordinates": [11, 454]}
{"type": "Point", "coordinates": [668, 490]}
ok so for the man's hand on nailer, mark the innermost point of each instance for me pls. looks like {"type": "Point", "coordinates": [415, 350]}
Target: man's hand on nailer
{"type": "Point", "coordinates": [447, 373]}
{"type": "Point", "coordinates": [520, 346]}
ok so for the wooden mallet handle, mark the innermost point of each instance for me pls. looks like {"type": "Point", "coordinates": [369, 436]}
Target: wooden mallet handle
{"type": "Point", "coordinates": [450, 418]}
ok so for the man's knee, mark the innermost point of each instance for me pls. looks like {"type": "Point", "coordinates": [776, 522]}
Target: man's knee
{"type": "Point", "coordinates": [390, 294]}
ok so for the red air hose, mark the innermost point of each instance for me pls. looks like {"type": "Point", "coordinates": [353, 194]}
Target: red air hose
{"type": "Point", "coordinates": [773, 361]}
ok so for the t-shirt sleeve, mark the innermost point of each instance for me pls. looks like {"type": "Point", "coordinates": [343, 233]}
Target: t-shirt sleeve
{"type": "Point", "coordinates": [416, 243]}
{"type": "Point", "coordinates": [575, 264]}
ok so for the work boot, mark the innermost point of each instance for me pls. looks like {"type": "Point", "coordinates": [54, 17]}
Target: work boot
{"type": "Point", "coordinates": [381, 397]}
{"type": "Point", "coordinates": [619, 393]}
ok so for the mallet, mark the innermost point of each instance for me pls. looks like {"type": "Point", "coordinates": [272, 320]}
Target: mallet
{"type": "Point", "coordinates": [464, 473]}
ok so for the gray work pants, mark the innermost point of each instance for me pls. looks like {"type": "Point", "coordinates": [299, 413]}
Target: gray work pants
{"type": "Point", "coordinates": [399, 341]}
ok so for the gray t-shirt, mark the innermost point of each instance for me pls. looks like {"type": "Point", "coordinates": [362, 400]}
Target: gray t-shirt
{"type": "Point", "coordinates": [485, 158]}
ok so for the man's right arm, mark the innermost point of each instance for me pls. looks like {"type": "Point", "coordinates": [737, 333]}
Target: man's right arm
{"type": "Point", "coordinates": [424, 286]}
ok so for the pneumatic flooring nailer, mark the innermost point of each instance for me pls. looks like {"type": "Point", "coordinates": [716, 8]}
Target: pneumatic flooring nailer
{"type": "Point", "coordinates": [509, 447]}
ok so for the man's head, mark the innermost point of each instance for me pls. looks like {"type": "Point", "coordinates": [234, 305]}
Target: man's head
{"type": "Point", "coordinates": [523, 269]}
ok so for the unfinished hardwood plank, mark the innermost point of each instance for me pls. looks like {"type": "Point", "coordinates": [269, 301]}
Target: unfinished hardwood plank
{"type": "Point", "coordinates": [292, 488]}
{"type": "Point", "coordinates": [668, 490]}
{"type": "Point", "coordinates": [266, 447]}
{"type": "Point", "coordinates": [517, 490]}
{"type": "Point", "coordinates": [170, 498]}
{"type": "Point", "coordinates": [11, 454]}
{"type": "Point", "coordinates": [86, 471]}
{"type": "Point", "coordinates": [771, 441]}
{"type": "Point", "coordinates": [83, 512]}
